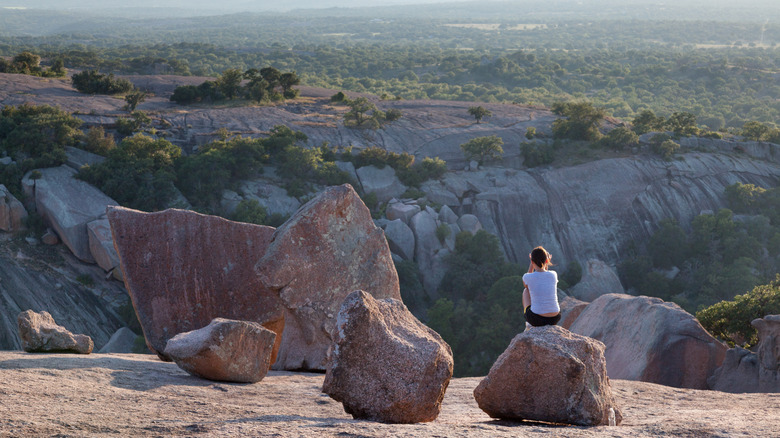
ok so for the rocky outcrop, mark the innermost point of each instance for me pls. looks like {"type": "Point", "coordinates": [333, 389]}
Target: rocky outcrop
{"type": "Point", "coordinates": [67, 205]}
{"type": "Point", "coordinates": [550, 374]}
{"type": "Point", "coordinates": [651, 340]}
{"type": "Point", "coordinates": [28, 282]}
{"type": "Point", "coordinates": [427, 247]}
{"type": "Point", "coordinates": [274, 198]}
{"type": "Point", "coordinates": [225, 350]}
{"type": "Point", "coordinates": [40, 334]}
{"type": "Point", "coordinates": [12, 212]}
{"type": "Point", "coordinates": [580, 214]}
{"type": "Point", "coordinates": [745, 371]}
{"type": "Point", "coordinates": [101, 246]}
{"type": "Point", "coordinates": [79, 157]}
{"type": "Point", "coordinates": [400, 210]}
{"type": "Point", "coordinates": [381, 182]}
{"type": "Point", "coordinates": [386, 365]}
{"type": "Point", "coordinates": [182, 269]}
{"type": "Point", "coordinates": [571, 308]}
{"type": "Point", "coordinates": [122, 341]}
{"type": "Point", "coordinates": [329, 248]}
{"type": "Point", "coordinates": [598, 279]}
{"type": "Point", "coordinates": [400, 238]}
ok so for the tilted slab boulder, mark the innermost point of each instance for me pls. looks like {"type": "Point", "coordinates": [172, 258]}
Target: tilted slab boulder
{"type": "Point", "coordinates": [122, 341]}
{"type": "Point", "coordinates": [68, 205]}
{"type": "Point", "coordinates": [550, 374]}
{"type": "Point", "coordinates": [12, 212]}
{"type": "Point", "coordinates": [101, 244]}
{"type": "Point", "coordinates": [386, 365]}
{"type": "Point", "coordinates": [182, 269]}
{"type": "Point", "coordinates": [40, 334]}
{"type": "Point", "coordinates": [745, 371]}
{"type": "Point", "coordinates": [327, 249]}
{"type": "Point", "coordinates": [225, 350]}
{"type": "Point", "coordinates": [651, 340]}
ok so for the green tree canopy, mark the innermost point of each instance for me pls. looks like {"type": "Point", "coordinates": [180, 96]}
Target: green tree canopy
{"type": "Point", "coordinates": [483, 148]}
{"type": "Point", "coordinates": [479, 112]}
{"type": "Point", "coordinates": [582, 120]}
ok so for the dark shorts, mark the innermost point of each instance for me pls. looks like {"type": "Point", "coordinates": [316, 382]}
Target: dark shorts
{"type": "Point", "coordinates": [538, 321]}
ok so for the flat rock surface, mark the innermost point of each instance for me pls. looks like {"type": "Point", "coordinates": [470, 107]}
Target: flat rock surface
{"type": "Point", "coordinates": [138, 395]}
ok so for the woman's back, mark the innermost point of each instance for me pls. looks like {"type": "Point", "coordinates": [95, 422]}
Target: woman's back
{"type": "Point", "coordinates": [543, 288]}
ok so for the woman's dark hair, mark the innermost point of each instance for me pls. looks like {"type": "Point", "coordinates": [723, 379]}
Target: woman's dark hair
{"type": "Point", "coordinates": [540, 256]}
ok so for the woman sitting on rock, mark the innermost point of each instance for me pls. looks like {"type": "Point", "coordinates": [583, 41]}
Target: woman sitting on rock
{"type": "Point", "coordinates": [540, 296]}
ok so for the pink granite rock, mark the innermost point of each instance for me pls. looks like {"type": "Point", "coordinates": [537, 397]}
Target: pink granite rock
{"type": "Point", "coordinates": [651, 340]}
{"type": "Point", "coordinates": [183, 269]}
{"type": "Point", "coordinates": [386, 365]}
{"type": "Point", "coordinates": [39, 333]}
{"type": "Point", "coordinates": [550, 374]}
{"type": "Point", "coordinates": [329, 248]}
{"type": "Point", "coordinates": [225, 350]}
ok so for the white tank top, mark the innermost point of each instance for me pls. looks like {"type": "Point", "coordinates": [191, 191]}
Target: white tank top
{"type": "Point", "coordinates": [543, 287]}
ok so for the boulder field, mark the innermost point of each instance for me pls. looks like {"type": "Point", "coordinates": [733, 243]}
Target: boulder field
{"type": "Point", "coordinates": [182, 269]}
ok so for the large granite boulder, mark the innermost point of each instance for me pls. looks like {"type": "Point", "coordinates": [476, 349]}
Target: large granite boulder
{"type": "Point", "coordinates": [67, 205]}
{"type": "Point", "coordinates": [382, 182]}
{"type": "Point", "coordinates": [550, 374]}
{"type": "Point", "coordinates": [122, 341]}
{"type": "Point", "coordinates": [598, 279]}
{"type": "Point", "coordinates": [327, 249]}
{"type": "Point", "coordinates": [101, 246]}
{"type": "Point", "coordinates": [12, 212]}
{"type": "Point", "coordinates": [470, 223]}
{"type": "Point", "coordinates": [182, 269]}
{"type": "Point", "coordinates": [272, 197]}
{"type": "Point", "coordinates": [399, 210]}
{"type": "Point", "coordinates": [651, 340]}
{"type": "Point", "coordinates": [400, 238]}
{"type": "Point", "coordinates": [225, 350]}
{"type": "Point", "coordinates": [571, 308]}
{"type": "Point", "coordinates": [386, 365]}
{"type": "Point", "coordinates": [40, 334]}
{"type": "Point", "coordinates": [745, 371]}
{"type": "Point", "coordinates": [426, 246]}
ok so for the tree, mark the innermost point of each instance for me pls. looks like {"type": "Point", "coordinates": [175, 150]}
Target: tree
{"type": "Point", "coordinates": [756, 131]}
{"type": "Point", "coordinates": [479, 112]}
{"type": "Point", "coordinates": [647, 121]}
{"type": "Point", "coordinates": [682, 123]}
{"type": "Point", "coordinates": [287, 81]}
{"type": "Point", "coordinates": [620, 138]}
{"type": "Point", "coordinates": [730, 320]}
{"type": "Point", "coordinates": [229, 83]}
{"type": "Point", "coordinates": [358, 109]}
{"type": "Point", "coordinates": [582, 120]}
{"type": "Point", "coordinates": [26, 62]}
{"type": "Point", "coordinates": [483, 148]}
{"type": "Point", "coordinates": [133, 99]}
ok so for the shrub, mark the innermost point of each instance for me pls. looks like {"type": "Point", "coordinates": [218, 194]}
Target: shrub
{"type": "Point", "coordinates": [98, 142]}
{"type": "Point", "coordinates": [92, 82]}
{"type": "Point", "coordinates": [393, 114]}
{"type": "Point", "coordinates": [730, 320]}
{"type": "Point", "coordinates": [443, 231]}
{"type": "Point", "coordinates": [251, 212]}
{"type": "Point", "coordinates": [537, 154]}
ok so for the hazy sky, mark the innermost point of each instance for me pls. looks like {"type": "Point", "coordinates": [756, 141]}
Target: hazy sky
{"type": "Point", "coordinates": [226, 5]}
